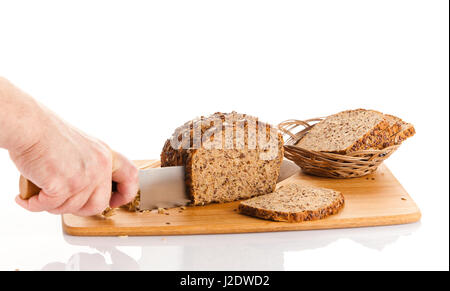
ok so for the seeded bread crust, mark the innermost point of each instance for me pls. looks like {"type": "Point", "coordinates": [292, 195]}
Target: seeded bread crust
{"type": "Point", "coordinates": [373, 139]}
{"type": "Point", "coordinates": [257, 207]}
{"type": "Point", "coordinates": [402, 130]}
{"type": "Point", "coordinates": [395, 126]}
{"type": "Point", "coordinates": [380, 139]}
{"type": "Point", "coordinates": [407, 131]}
{"type": "Point", "coordinates": [225, 174]}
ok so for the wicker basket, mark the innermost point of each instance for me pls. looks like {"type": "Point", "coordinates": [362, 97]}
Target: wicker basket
{"type": "Point", "coordinates": [331, 165]}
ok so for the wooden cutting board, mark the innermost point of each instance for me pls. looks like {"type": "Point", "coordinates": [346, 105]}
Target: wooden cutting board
{"type": "Point", "coordinates": [374, 200]}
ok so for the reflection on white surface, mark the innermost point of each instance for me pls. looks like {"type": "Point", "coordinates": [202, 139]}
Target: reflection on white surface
{"type": "Point", "coordinates": [257, 251]}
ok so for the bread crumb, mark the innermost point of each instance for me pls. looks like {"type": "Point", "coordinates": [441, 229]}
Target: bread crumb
{"type": "Point", "coordinates": [160, 210]}
{"type": "Point", "coordinates": [404, 199]}
{"type": "Point", "coordinates": [167, 213]}
{"type": "Point", "coordinates": [167, 222]}
{"type": "Point", "coordinates": [183, 207]}
{"type": "Point", "coordinates": [108, 212]}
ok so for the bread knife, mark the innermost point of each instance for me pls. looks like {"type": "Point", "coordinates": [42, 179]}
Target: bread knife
{"type": "Point", "coordinates": [166, 187]}
{"type": "Point", "coordinates": [159, 187]}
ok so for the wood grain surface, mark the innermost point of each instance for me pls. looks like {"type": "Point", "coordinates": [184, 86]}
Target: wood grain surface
{"type": "Point", "coordinates": [374, 200]}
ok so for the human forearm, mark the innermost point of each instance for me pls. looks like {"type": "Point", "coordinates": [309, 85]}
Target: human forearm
{"type": "Point", "coordinates": [73, 169]}
{"type": "Point", "coordinates": [20, 117]}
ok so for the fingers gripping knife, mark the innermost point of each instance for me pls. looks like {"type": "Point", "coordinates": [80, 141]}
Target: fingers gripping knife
{"type": "Point", "coordinates": [28, 189]}
{"type": "Point", "coordinates": [159, 187]}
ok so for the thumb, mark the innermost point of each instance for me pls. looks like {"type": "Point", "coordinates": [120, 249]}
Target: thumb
{"type": "Point", "coordinates": [125, 174]}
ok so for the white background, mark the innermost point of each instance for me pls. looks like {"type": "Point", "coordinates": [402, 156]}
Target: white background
{"type": "Point", "coordinates": [129, 72]}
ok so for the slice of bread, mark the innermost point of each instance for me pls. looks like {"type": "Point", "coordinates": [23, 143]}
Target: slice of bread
{"type": "Point", "coordinates": [346, 131]}
{"type": "Point", "coordinates": [395, 124]}
{"type": "Point", "coordinates": [294, 203]}
{"type": "Point", "coordinates": [407, 130]}
{"type": "Point", "coordinates": [356, 130]}
{"type": "Point", "coordinates": [399, 131]}
{"type": "Point", "coordinates": [382, 138]}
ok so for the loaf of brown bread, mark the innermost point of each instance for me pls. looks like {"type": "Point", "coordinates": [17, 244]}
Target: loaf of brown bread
{"type": "Point", "coordinates": [355, 130]}
{"type": "Point", "coordinates": [294, 203]}
{"type": "Point", "coordinates": [227, 157]}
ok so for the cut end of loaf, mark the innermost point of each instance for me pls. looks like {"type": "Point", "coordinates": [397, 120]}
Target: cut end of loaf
{"type": "Point", "coordinates": [219, 176]}
{"type": "Point", "coordinates": [231, 164]}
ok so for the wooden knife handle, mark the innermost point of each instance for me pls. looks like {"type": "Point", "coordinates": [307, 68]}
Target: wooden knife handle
{"type": "Point", "coordinates": [27, 188]}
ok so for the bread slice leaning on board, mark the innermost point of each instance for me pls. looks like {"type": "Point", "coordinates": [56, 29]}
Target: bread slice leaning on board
{"type": "Point", "coordinates": [355, 130]}
{"type": "Point", "coordinates": [294, 203]}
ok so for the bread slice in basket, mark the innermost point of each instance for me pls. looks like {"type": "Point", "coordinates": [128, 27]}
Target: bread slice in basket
{"type": "Point", "coordinates": [294, 203]}
{"type": "Point", "coordinates": [355, 130]}
{"type": "Point", "coordinates": [402, 130]}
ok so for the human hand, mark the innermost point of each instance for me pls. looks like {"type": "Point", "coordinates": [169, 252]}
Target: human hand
{"type": "Point", "coordinates": [73, 170]}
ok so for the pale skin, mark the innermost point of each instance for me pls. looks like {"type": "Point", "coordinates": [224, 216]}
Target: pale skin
{"type": "Point", "coordinates": [73, 169]}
